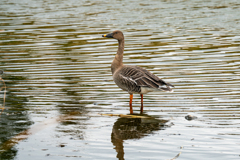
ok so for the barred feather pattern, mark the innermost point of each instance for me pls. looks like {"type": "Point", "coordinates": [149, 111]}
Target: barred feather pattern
{"type": "Point", "coordinates": [133, 79]}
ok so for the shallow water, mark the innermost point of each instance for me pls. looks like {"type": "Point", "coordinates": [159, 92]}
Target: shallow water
{"type": "Point", "coordinates": [60, 93]}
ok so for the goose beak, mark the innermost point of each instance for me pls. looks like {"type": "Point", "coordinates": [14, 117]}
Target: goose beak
{"type": "Point", "coordinates": [110, 35]}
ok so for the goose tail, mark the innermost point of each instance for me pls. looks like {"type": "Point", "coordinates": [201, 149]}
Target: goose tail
{"type": "Point", "coordinates": [167, 87]}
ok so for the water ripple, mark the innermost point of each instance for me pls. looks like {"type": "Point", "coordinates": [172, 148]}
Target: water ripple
{"type": "Point", "coordinates": [57, 65]}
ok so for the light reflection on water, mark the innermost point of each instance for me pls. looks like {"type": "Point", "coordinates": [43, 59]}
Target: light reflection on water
{"type": "Point", "coordinates": [57, 65]}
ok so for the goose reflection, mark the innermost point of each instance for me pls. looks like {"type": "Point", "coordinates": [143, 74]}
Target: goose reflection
{"type": "Point", "coordinates": [134, 128]}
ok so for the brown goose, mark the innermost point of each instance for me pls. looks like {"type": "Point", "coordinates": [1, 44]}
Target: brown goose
{"type": "Point", "coordinates": [133, 79]}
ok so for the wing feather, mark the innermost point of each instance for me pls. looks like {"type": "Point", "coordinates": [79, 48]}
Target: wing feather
{"type": "Point", "coordinates": [143, 78]}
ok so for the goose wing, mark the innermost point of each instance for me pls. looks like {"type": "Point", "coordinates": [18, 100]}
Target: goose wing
{"type": "Point", "coordinates": [143, 78]}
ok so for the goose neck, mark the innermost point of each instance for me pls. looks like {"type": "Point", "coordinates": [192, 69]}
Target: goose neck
{"type": "Point", "coordinates": [118, 60]}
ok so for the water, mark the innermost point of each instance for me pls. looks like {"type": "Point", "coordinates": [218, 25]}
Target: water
{"type": "Point", "coordinates": [60, 93]}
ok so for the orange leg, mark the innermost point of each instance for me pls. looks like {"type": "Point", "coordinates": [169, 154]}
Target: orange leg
{"type": "Point", "coordinates": [130, 103]}
{"type": "Point", "coordinates": [141, 103]}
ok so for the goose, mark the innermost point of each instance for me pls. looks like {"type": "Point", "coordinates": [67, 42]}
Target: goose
{"type": "Point", "coordinates": [133, 79]}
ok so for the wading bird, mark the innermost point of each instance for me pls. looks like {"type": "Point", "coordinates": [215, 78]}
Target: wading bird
{"type": "Point", "coordinates": [133, 79]}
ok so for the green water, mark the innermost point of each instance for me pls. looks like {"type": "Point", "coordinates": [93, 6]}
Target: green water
{"type": "Point", "coordinates": [59, 84]}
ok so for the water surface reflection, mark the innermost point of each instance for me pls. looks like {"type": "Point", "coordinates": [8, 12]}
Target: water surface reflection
{"type": "Point", "coordinates": [14, 119]}
{"type": "Point", "coordinates": [56, 65]}
{"type": "Point", "coordinates": [134, 128]}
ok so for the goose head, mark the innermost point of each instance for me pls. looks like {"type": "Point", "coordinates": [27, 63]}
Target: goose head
{"type": "Point", "coordinates": [115, 34]}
